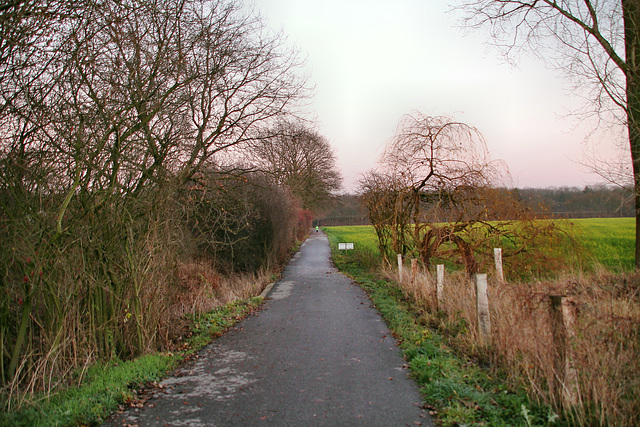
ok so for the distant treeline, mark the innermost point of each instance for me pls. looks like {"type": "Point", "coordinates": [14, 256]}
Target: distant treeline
{"type": "Point", "coordinates": [348, 209]}
{"type": "Point", "coordinates": [597, 201]}
{"type": "Point", "coordinates": [572, 202]}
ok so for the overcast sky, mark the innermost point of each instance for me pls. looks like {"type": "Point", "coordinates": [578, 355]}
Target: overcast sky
{"type": "Point", "coordinates": [372, 61]}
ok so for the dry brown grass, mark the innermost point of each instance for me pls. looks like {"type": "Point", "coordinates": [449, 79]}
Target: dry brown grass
{"type": "Point", "coordinates": [162, 322]}
{"type": "Point", "coordinates": [606, 346]}
{"type": "Point", "coordinates": [204, 289]}
{"type": "Point", "coordinates": [198, 288]}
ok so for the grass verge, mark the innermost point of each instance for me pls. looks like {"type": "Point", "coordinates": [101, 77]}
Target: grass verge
{"type": "Point", "coordinates": [458, 390]}
{"type": "Point", "coordinates": [99, 390]}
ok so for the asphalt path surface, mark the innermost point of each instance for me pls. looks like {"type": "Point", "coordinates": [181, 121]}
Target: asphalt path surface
{"type": "Point", "coordinates": [317, 353]}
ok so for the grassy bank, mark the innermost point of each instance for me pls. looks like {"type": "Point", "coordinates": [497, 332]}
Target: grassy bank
{"type": "Point", "coordinates": [99, 390]}
{"type": "Point", "coordinates": [457, 389]}
{"type": "Point", "coordinates": [512, 381]}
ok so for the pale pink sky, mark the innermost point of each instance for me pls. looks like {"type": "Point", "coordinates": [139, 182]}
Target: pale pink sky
{"type": "Point", "coordinates": [372, 61]}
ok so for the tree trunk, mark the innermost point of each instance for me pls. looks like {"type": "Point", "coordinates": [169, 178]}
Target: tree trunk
{"type": "Point", "coordinates": [470, 262]}
{"type": "Point", "coordinates": [631, 15]}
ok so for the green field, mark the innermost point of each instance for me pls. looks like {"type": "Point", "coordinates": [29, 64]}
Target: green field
{"type": "Point", "coordinates": [606, 241]}
{"type": "Point", "coordinates": [609, 241]}
{"type": "Point", "coordinates": [363, 235]}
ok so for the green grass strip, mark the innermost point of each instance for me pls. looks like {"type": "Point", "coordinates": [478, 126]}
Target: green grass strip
{"type": "Point", "coordinates": [458, 390]}
{"type": "Point", "coordinates": [106, 385]}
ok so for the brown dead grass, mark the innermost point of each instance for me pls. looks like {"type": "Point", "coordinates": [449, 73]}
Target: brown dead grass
{"type": "Point", "coordinates": [205, 289]}
{"type": "Point", "coordinates": [199, 288]}
{"type": "Point", "coordinates": [606, 346]}
{"type": "Point", "coordinates": [194, 288]}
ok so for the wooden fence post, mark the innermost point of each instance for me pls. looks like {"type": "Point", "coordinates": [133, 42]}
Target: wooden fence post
{"type": "Point", "coordinates": [400, 267]}
{"type": "Point", "coordinates": [414, 273]}
{"type": "Point", "coordinates": [563, 318]}
{"type": "Point", "coordinates": [497, 255]}
{"type": "Point", "coordinates": [482, 306]}
{"type": "Point", "coordinates": [439, 284]}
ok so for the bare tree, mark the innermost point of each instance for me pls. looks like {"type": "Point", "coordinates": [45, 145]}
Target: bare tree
{"type": "Point", "coordinates": [108, 109]}
{"type": "Point", "coordinates": [598, 42]}
{"type": "Point", "coordinates": [438, 190]}
{"type": "Point", "coordinates": [302, 160]}
{"type": "Point", "coordinates": [132, 93]}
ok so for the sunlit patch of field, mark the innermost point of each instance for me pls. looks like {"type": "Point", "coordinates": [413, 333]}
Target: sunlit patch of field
{"type": "Point", "coordinates": [609, 242]}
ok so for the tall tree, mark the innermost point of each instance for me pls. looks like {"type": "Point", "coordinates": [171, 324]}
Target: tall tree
{"type": "Point", "coordinates": [597, 42]}
{"type": "Point", "coordinates": [302, 160]}
{"type": "Point", "coordinates": [104, 107]}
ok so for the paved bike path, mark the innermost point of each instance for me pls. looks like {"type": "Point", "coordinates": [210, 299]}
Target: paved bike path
{"type": "Point", "coordinates": [317, 353]}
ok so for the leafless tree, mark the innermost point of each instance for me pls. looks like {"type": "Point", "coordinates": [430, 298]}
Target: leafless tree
{"type": "Point", "coordinates": [598, 43]}
{"type": "Point", "coordinates": [437, 189]}
{"type": "Point", "coordinates": [134, 92]}
{"type": "Point", "coordinates": [302, 160]}
{"type": "Point", "coordinates": [109, 109]}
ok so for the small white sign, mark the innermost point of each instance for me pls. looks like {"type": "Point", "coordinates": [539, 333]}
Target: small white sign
{"type": "Point", "coordinates": [345, 246]}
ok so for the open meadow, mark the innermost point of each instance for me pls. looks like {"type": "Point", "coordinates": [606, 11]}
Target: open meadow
{"type": "Point", "coordinates": [608, 242]}
{"type": "Point", "coordinates": [587, 374]}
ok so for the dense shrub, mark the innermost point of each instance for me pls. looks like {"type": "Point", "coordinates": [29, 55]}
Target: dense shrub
{"type": "Point", "coordinates": [243, 224]}
{"type": "Point", "coordinates": [119, 278]}
{"type": "Point", "coordinates": [108, 112]}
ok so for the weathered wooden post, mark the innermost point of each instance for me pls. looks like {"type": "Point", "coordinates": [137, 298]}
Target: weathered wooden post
{"type": "Point", "coordinates": [399, 267]}
{"type": "Point", "coordinates": [563, 318]}
{"type": "Point", "coordinates": [482, 306]}
{"type": "Point", "coordinates": [414, 273]}
{"type": "Point", "coordinates": [439, 284]}
{"type": "Point", "coordinates": [497, 255]}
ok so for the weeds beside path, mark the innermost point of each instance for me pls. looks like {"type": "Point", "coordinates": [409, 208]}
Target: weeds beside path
{"type": "Point", "coordinates": [107, 387]}
{"type": "Point", "coordinates": [457, 389]}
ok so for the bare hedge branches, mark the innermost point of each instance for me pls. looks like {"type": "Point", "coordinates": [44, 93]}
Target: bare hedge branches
{"type": "Point", "coordinates": [110, 114]}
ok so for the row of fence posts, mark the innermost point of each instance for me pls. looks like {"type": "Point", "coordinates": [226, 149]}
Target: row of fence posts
{"type": "Point", "coordinates": [563, 317]}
